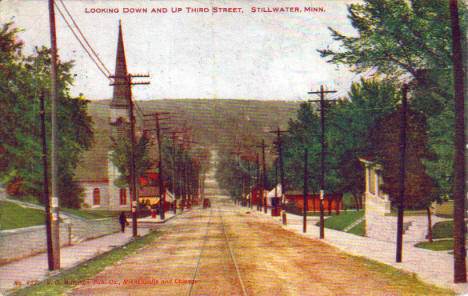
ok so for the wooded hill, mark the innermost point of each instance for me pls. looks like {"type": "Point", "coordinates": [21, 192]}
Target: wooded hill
{"type": "Point", "coordinates": [217, 123]}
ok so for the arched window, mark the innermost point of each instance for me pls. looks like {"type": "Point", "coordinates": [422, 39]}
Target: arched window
{"type": "Point", "coordinates": [96, 196]}
{"type": "Point", "coordinates": [123, 196]}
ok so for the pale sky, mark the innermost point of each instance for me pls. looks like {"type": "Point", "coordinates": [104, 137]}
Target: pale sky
{"type": "Point", "coordinates": [238, 55]}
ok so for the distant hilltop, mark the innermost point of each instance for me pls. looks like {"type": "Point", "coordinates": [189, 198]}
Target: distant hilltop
{"type": "Point", "coordinates": [213, 122]}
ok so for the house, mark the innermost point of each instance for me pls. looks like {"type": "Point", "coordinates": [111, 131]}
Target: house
{"type": "Point", "coordinates": [375, 199]}
{"type": "Point", "coordinates": [377, 205]}
{"type": "Point", "coordinates": [274, 193]}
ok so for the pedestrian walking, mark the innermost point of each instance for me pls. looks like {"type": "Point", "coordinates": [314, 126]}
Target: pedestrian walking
{"type": "Point", "coordinates": [123, 221]}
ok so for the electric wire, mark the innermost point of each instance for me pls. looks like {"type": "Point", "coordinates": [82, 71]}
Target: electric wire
{"type": "Point", "coordinates": [101, 66]}
{"type": "Point", "coordinates": [84, 38]}
{"type": "Point", "coordinates": [81, 43]}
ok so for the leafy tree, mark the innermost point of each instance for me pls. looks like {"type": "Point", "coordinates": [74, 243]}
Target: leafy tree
{"type": "Point", "coordinates": [439, 110]}
{"type": "Point", "coordinates": [347, 136]}
{"type": "Point", "coordinates": [234, 171]}
{"type": "Point", "coordinates": [22, 79]}
{"type": "Point", "coordinates": [409, 40]}
{"type": "Point", "coordinates": [175, 159]}
{"type": "Point", "coordinates": [419, 186]}
{"type": "Point", "coordinates": [121, 156]}
{"type": "Point", "coordinates": [305, 132]}
{"type": "Point", "coordinates": [349, 129]}
{"type": "Point", "coordinates": [395, 37]}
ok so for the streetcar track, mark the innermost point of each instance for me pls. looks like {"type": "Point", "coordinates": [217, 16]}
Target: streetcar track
{"type": "Point", "coordinates": [232, 257]}
{"type": "Point", "coordinates": [201, 253]}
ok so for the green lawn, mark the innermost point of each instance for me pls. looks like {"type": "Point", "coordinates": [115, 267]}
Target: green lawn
{"type": "Point", "coordinates": [440, 245]}
{"type": "Point", "coordinates": [359, 229]}
{"type": "Point", "coordinates": [442, 229]}
{"type": "Point", "coordinates": [90, 214]}
{"type": "Point", "coordinates": [14, 216]}
{"type": "Point", "coordinates": [445, 209]}
{"type": "Point", "coordinates": [343, 220]}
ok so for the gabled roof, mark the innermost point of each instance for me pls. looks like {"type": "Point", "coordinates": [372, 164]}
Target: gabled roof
{"type": "Point", "coordinates": [372, 161]}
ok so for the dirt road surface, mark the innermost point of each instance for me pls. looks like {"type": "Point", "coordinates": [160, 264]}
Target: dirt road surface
{"type": "Point", "coordinates": [193, 257]}
{"type": "Point", "coordinates": [226, 250]}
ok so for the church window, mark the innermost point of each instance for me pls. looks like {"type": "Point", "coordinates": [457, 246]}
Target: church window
{"type": "Point", "coordinates": [123, 196]}
{"type": "Point", "coordinates": [96, 196]}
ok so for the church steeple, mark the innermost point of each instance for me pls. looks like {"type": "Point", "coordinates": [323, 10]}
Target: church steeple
{"type": "Point", "coordinates": [121, 91]}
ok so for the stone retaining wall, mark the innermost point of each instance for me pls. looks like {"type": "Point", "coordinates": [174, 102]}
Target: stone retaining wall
{"type": "Point", "coordinates": [22, 242]}
{"type": "Point", "coordinates": [379, 226]}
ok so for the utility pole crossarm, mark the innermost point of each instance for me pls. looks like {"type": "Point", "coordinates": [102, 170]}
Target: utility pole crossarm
{"type": "Point", "coordinates": [126, 83]}
{"type": "Point", "coordinates": [133, 186]}
{"type": "Point", "coordinates": [322, 100]}
{"type": "Point", "coordinates": [129, 76]}
{"type": "Point", "coordinates": [158, 129]}
{"type": "Point", "coordinates": [278, 132]}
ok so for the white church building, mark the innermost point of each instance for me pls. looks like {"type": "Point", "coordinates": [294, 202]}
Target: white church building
{"type": "Point", "coordinates": [100, 191]}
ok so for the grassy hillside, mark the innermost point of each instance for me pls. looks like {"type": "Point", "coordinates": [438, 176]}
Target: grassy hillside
{"type": "Point", "coordinates": [215, 123]}
{"type": "Point", "coordinates": [14, 216]}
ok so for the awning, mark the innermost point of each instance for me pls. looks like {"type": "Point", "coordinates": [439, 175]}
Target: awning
{"type": "Point", "coordinates": [169, 196]}
{"type": "Point", "coordinates": [148, 200]}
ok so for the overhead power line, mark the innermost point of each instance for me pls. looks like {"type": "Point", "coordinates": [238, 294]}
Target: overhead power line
{"type": "Point", "coordinates": [140, 112]}
{"type": "Point", "coordinates": [92, 55]}
{"type": "Point", "coordinates": [84, 37]}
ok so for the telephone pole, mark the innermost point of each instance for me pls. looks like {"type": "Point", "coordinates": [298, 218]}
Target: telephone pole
{"type": "Point", "coordinates": [264, 179]}
{"type": "Point", "coordinates": [306, 192]}
{"type": "Point", "coordinates": [175, 171]}
{"type": "Point", "coordinates": [162, 196]}
{"type": "Point", "coordinates": [55, 226]}
{"type": "Point", "coordinates": [258, 181]}
{"type": "Point", "coordinates": [401, 197]}
{"type": "Point", "coordinates": [322, 100]}
{"type": "Point", "coordinates": [459, 233]}
{"type": "Point", "coordinates": [281, 167]}
{"type": "Point", "coordinates": [50, 254]}
{"type": "Point", "coordinates": [127, 80]}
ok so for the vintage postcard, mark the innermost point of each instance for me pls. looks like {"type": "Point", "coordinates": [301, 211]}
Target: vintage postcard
{"type": "Point", "coordinates": [231, 147]}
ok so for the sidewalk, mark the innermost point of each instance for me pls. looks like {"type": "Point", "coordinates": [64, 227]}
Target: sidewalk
{"type": "Point", "coordinates": [35, 268]}
{"type": "Point", "coordinates": [431, 267]}
{"type": "Point", "coordinates": [142, 222]}
{"type": "Point", "coordinates": [32, 269]}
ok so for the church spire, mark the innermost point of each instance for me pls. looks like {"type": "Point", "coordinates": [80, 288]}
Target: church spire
{"type": "Point", "coordinates": [121, 91]}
